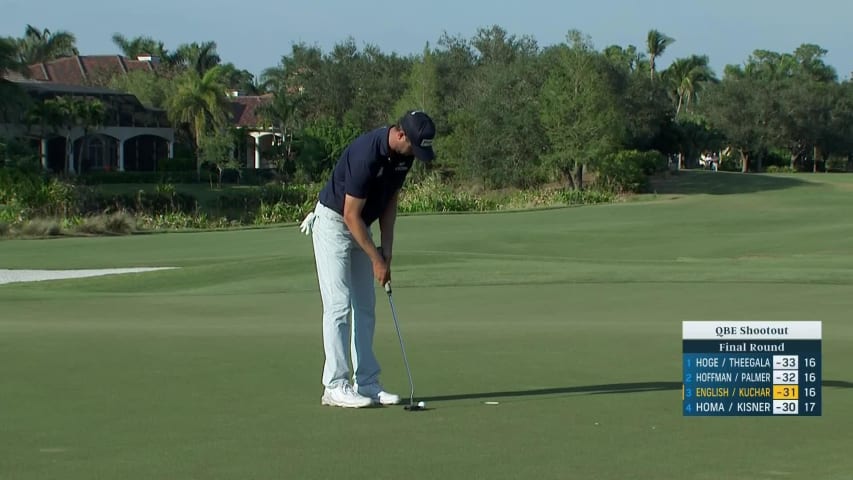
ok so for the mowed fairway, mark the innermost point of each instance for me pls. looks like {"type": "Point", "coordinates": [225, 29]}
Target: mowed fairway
{"type": "Point", "coordinates": [569, 318]}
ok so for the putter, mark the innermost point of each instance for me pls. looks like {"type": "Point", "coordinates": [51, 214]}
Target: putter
{"type": "Point", "coordinates": [412, 406]}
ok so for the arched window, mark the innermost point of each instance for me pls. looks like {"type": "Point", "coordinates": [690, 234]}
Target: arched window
{"type": "Point", "coordinates": [96, 154]}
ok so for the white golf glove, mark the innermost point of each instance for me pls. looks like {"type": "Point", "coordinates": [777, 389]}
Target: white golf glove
{"type": "Point", "coordinates": [308, 224]}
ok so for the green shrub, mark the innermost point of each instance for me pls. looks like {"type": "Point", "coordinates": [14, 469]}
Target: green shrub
{"type": "Point", "coordinates": [431, 195]}
{"type": "Point", "coordinates": [15, 153]}
{"type": "Point", "coordinates": [166, 189]}
{"type": "Point", "coordinates": [182, 221]}
{"type": "Point", "coordinates": [181, 163]}
{"type": "Point", "coordinates": [17, 184]}
{"type": "Point", "coordinates": [108, 178]}
{"type": "Point", "coordinates": [172, 221]}
{"type": "Point", "coordinates": [59, 199]}
{"type": "Point", "coordinates": [550, 197]}
{"type": "Point", "coordinates": [27, 194]}
{"type": "Point", "coordinates": [165, 199]}
{"type": "Point", "coordinates": [278, 213]}
{"type": "Point", "coordinates": [774, 157]}
{"type": "Point", "coordinates": [837, 163]}
{"type": "Point", "coordinates": [584, 197]}
{"type": "Point", "coordinates": [9, 214]}
{"type": "Point", "coordinates": [778, 169]}
{"type": "Point", "coordinates": [254, 176]}
{"type": "Point", "coordinates": [628, 170]}
{"type": "Point", "coordinates": [304, 197]}
{"type": "Point", "coordinates": [5, 229]}
{"type": "Point", "coordinates": [731, 163]}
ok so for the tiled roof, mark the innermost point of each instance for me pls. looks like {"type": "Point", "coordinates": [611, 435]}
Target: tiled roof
{"type": "Point", "coordinates": [51, 88]}
{"type": "Point", "coordinates": [244, 109]}
{"type": "Point", "coordinates": [68, 89]}
{"type": "Point", "coordinates": [85, 69]}
{"type": "Point", "coordinates": [12, 76]}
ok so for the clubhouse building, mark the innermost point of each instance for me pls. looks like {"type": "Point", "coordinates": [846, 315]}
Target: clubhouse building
{"type": "Point", "coordinates": [132, 137]}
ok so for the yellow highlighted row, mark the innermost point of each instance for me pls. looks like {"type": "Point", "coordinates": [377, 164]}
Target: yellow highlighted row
{"type": "Point", "coordinates": [780, 392]}
{"type": "Point", "coordinates": [786, 392]}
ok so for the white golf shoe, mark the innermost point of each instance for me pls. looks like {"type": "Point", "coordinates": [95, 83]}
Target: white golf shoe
{"type": "Point", "coordinates": [375, 392]}
{"type": "Point", "coordinates": [345, 396]}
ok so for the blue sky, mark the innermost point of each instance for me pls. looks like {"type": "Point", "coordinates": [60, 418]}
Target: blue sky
{"type": "Point", "coordinates": [254, 35]}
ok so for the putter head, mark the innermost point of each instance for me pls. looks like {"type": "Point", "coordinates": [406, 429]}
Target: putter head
{"type": "Point", "coordinates": [415, 407]}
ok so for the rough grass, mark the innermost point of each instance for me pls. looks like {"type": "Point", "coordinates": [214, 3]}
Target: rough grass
{"type": "Point", "coordinates": [121, 223]}
{"type": "Point", "coordinates": [41, 227]}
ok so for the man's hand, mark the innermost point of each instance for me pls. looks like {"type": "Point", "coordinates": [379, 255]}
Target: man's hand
{"type": "Point", "coordinates": [381, 271]}
{"type": "Point", "coordinates": [383, 277]}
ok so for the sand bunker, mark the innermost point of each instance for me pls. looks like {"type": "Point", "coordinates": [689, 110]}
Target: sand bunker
{"type": "Point", "coordinates": [17, 276]}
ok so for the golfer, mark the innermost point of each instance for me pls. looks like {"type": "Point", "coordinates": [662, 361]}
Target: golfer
{"type": "Point", "coordinates": [364, 187]}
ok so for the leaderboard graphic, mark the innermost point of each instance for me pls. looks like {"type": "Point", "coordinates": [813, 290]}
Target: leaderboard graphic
{"type": "Point", "coordinates": [751, 368]}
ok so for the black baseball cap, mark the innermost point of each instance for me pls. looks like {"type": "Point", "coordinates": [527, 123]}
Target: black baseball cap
{"type": "Point", "coordinates": [420, 130]}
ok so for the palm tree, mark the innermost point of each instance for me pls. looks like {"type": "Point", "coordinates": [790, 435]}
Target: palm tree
{"type": "Point", "coordinates": [240, 80]}
{"type": "Point", "coordinates": [627, 58]}
{"type": "Point", "coordinates": [61, 115]}
{"type": "Point", "coordinates": [273, 79]}
{"type": "Point", "coordinates": [200, 104]}
{"type": "Point", "coordinates": [42, 46]}
{"type": "Point", "coordinates": [136, 46]}
{"type": "Point", "coordinates": [280, 113]}
{"type": "Point", "coordinates": [199, 57]}
{"type": "Point", "coordinates": [45, 115]}
{"type": "Point", "coordinates": [58, 116]}
{"type": "Point", "coordinates": [687, 77]}
{"type": "Point", "coordinates": [64, 114]}
{"type": "Point", "coordinates": [9, 60]}
{"type": "Point", "coordinates": [89, 115]}
{"type": "Point", "coordinates": [656, 44]}
{"type": "Point", "coordinates": [12, 98]}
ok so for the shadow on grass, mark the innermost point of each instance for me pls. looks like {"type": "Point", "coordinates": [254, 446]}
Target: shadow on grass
{"type": "Point", "coordinates": [606, 389]}
{"type": "Point", "coordinates": [722, 183]}
{"type": "Point", "coordinates": [586, 389]}
{"type": "Point", "coordinates": [837, 384]}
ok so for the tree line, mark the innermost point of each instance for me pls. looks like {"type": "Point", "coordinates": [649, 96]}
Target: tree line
{"type": "Point", "coordinates": [510, 112]}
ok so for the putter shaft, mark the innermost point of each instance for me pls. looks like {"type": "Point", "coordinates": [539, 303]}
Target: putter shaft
{"type": "Point", "coordinates": [402, 346]}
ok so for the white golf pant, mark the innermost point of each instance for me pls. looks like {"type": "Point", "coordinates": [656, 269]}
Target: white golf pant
{"type": "Point", "coordinates": [345, 274]}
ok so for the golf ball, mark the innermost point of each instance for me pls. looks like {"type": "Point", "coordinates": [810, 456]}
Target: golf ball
{"type": "Point", "coordinates": [421, 404]}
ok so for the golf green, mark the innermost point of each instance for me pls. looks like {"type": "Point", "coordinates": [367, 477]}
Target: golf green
{"type": "Point", "coordinates": [570, 319]}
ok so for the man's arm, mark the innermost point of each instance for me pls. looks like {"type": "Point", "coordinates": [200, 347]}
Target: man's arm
{"type": "Point", "coordinates": [386, 226]}
{"type": "Point", "coordinates": [352, 218]}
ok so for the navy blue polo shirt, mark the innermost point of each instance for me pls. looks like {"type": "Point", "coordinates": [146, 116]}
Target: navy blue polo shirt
{"type": "Point", "coordinates": [367, 169]}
